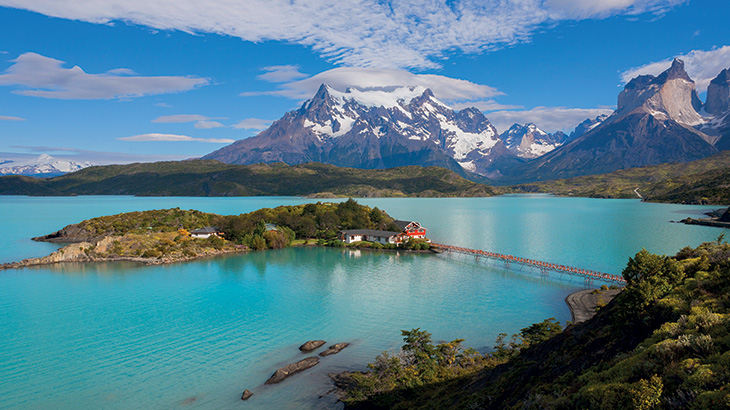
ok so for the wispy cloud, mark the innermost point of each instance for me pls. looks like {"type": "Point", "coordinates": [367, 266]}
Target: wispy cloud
{"type": "Point", "coordinates": [45, 77]}
{"type": "Point", "coordinates": [156, 137]}
{"type": "Point", "coordinates": [487, 105]}
{"type": "Point", "coordinates": [281, 73]}
{"type": "Point", "coordinates": [180, 118]}
{"type": "Point", "coordinates": [10, 118]}
{"type": "Point", "coordinates": [163, 105]}
{"type": "Point", "coordinates": [702, 66]}
{"type": "Point", "coordinates": [364, 33]}
{"type": "Point", "coordinates": [549, 119]}
{"type": "Point", "coordinates": [584, 9]}
{"type": "Point", "coordinates": [206, 125]}
{"type": "Point", "coordinates": [252, 124]}
{"type": "Point", "coordinates": [201, 121]}
{"type": "Point", "coordinates": [82, 155]}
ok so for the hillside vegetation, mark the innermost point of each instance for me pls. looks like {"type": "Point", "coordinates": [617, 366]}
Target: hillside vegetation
{"type": "Point", "coordinates": [165, 233]}
{"type": "Point", "coordinates": [213, 178]}
{"type": "Point", "coordinates": [662, 343]}
{"type": "Point", "coordinates": [705, 181]}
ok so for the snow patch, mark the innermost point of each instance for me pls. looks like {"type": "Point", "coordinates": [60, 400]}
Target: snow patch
{"type": "Point", "coordinates": [379, 98]}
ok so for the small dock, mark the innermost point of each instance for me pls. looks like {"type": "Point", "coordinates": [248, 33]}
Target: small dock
{"type": "Point", "coordinates": [544, 267]}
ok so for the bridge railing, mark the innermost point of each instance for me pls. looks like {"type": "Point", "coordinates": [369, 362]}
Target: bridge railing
{"type": "Point", "coordinates": [540, 264]}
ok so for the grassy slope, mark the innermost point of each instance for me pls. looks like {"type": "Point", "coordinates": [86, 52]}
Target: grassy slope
{"type": "Point", "coordinates": [701, 181]}
{"type": "Point", "coordinates": [661, 344]}
{"type": "Point", "coordinates": [213, 178]}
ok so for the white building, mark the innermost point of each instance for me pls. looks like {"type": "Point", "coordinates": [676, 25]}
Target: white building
{"type": "Point", "coordinates": [206, 232]}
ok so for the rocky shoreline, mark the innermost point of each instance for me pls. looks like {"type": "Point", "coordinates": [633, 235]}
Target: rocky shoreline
{"type": "Point", "coordinates": [80, 252]}
{"type": "Point", "coordinates": [719, 219]}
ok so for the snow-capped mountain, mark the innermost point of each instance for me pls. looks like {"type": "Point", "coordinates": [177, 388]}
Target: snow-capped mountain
{"type": "Point", "coordinates": [527, 141]}
{"type": "Point", "coordinates": [376, 128]}
{"type": "Point", "coordinates": [587, 125]}
{"type": "Point", "coordinates": [658, 119]}
{"type": "Point", "coordinates": [44, 164]}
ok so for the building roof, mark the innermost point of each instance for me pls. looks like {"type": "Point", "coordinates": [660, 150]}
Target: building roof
{"type": "Point", "coordinates": [371, 232]}
{"type": "Point", "coordinates": [402, 224]}
{"type": "Point", "coordinates": [207, 229]}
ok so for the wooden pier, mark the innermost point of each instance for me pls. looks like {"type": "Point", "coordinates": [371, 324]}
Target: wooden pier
{"type": "Point", "coordinates": [544, 267]}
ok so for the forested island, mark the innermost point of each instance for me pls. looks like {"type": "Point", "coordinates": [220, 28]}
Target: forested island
{"type": "Point", "coordinates": [662, 343]}
{"type": "Point", "coordinates": [168, 235]}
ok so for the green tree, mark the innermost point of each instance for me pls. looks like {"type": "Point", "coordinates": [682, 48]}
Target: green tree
{"type": "Point", "coordinates": [649, 277]}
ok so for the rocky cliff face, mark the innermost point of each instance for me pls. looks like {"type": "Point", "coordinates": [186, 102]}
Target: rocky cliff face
{"type": "Point", "coordinates": [718, 94]}
{"type": "Point", "coordinates": [671, 95]}
{"type": "Point", "coordinates": [377, 129]}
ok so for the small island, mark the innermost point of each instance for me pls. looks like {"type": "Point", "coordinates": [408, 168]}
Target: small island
{"type": "Point", "coordinates": [176, 235]}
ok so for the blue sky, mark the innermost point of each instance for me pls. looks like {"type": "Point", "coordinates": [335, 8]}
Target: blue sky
{"type": "Point", "coordinates": [131, 80]}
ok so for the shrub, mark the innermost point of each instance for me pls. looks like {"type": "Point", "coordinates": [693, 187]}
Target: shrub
{"type": "Point", "coordinates": [151, 253]}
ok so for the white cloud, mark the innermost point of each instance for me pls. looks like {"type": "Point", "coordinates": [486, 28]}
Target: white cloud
{"type": "Point", "coordinates": [180, 118]}
{"type": "Point", "coordinates": [10, 118]}
{"type": "Point", "coordinates": [174, 138]}
{"type": "Point", "coordinates": [549, 119]}
{"type": "Point", "coordinates": [445, 88]}
{"type": "Point", "coordinates": [702, 66]}
{"type": "Point", "coordinates": [45, 77]}
{"type": "Point", "coordinates": [281, 73]}
{"type": "Point", "coordinates": [364, 33]}
{"type": "Point", "coordinates": [206, 125]}
{"type": "Point", "coordinates": [252, 124]}
{"type": "Point", "coordinates": [163, 105]}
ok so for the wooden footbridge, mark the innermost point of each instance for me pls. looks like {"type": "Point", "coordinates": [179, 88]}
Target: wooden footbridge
{"type": "Point", "coordinates": [544, 267]}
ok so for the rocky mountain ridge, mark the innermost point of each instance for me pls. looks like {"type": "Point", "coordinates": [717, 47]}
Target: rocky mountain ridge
{"type": "Point", "coordinates": [377, 129]}
{"type": "Point", "coordinates": [657, 120]}
{"type": "Point", "coordinates": [528, 141]}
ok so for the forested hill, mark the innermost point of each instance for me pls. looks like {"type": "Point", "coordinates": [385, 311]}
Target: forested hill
{"type": "Point", "coordinates": [213, 178]}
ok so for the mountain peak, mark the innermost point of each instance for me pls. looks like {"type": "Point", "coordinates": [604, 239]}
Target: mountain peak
{"type": "Point", "coordinates": [676, 71]}
{"type": "Point", "coordinates": [718, 94]}
{"type": "Point", "coordinates": [722, 78]}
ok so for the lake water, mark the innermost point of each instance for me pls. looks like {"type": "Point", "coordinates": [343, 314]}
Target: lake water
{"type": "Point", "coordinates": [194, 335]}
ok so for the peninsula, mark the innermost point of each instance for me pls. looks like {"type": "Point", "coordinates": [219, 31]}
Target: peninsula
{"type": "Point", "coordinates": [176, 235]}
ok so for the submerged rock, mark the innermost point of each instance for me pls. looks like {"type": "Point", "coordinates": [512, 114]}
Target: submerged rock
{"type": "Point", "coordinates": [334, 349]}
{"type": "Point", "coordinates": [246, 394]}
{"type": "Point", "coordinates": [311, 345]}
{"type": "Point", "coordinates": [290, 369]}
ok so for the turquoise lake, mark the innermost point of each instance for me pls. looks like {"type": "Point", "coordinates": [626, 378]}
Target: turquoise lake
{"type": "Point", "coordinates": [195, 335]}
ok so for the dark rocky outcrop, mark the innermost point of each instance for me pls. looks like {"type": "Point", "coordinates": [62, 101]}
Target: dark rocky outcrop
{"type": "Point", "coordinates": [334, 349]}
{"type": "Point", "coordinates": [718, 94]}
{"type": "Point", "coordinates": [290, 369]}
{"type": "Point", "coordinates": [311, 345]}
{"type": "Point", "coordinates": [726, 216]}
{"type": "Point", "coordinates": [246, 394]}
